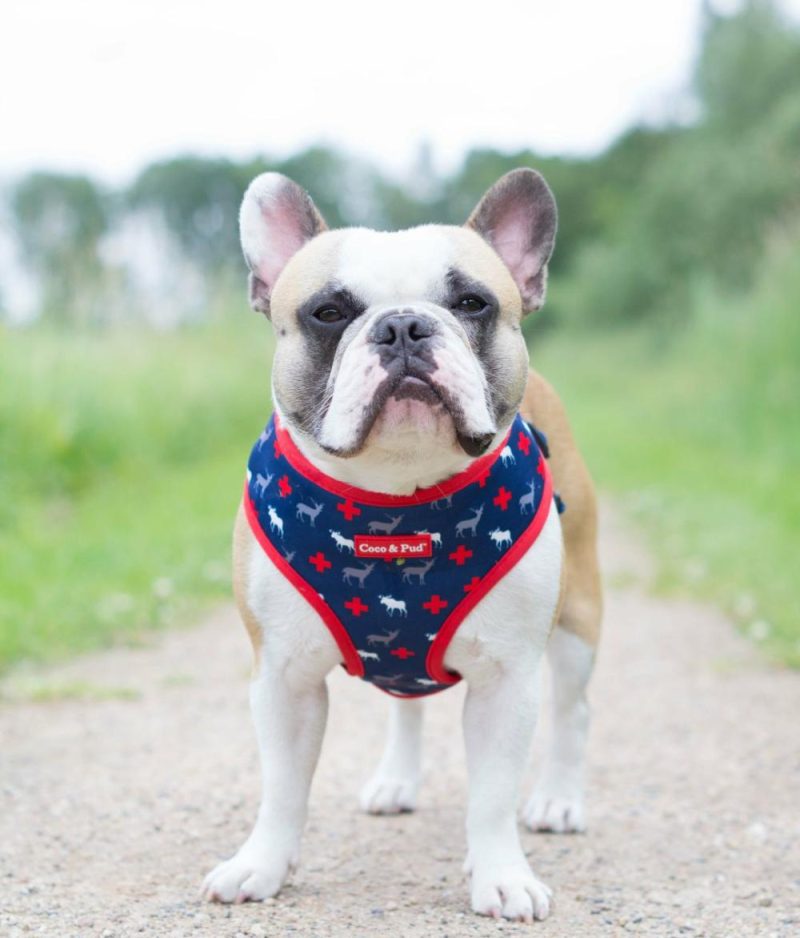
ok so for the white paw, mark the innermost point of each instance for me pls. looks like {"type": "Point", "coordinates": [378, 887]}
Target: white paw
{"type": "Point", "coordinates": [250, 876]}
{"type": "Point", "coordinates": [509, 891]}
{"type": "Point", "coordinates": [559, 814]}
{"type": "Point", "coordinates": [385, 794]}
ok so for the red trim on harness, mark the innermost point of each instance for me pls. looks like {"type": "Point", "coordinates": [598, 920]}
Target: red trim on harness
{"type": "Point", "coordinates": [434, 663]}
{"type": "Point", "coordinates": [352, 662]}
{"type": "Point", "coordinates": [378, 499]}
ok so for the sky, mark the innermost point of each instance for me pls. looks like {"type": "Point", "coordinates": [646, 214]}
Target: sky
{"type": "Point", "coordinates": [105, 87]}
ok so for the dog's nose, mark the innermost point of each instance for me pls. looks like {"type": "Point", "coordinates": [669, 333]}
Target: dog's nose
{"type": "Point", "coordinates": [399, 331]}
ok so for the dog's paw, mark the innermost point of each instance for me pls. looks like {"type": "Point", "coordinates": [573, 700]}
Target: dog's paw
{"type": "Point", "coordinates": [385, 794]}
{"type": "Point", "coordinates": [558, 814]}
{"type": "Point", "coordinates": [509, 891]}
{"type": "Point", "coordinates": [250, 876]}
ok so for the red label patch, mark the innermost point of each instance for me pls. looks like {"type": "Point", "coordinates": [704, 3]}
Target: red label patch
{"type": "Point", "coordinates": [394, 546]}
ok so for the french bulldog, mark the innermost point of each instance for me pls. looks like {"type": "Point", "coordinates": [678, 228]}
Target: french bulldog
{"type": "Point", "coordinates": [401, 372]}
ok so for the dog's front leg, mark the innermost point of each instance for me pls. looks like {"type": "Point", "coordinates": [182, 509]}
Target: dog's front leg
{"type": "Point", "coordinates": [499, 720]}
{"type": "Point", "coordinates": [289, 706]}
{"type": "Point", "coordinates": [394, 785]}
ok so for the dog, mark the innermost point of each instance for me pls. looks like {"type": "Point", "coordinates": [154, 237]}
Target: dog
{"type": "Point", "coordinates": [400, 368]}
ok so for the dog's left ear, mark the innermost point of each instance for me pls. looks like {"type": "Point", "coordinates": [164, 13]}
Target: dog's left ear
{"type": "Point", "coordinates": [276, 219]}
{"type": "Point", "coordinates": [518, 218]}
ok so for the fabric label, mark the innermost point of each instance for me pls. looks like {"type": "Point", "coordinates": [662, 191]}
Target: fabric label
{"type": "Point", "coordinates": [393, 547]}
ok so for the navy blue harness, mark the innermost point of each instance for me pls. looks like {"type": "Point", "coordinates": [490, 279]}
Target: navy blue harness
{"type": "Point", "coordinates": [394, 576]}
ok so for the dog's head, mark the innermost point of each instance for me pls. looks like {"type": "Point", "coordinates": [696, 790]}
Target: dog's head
{"type": "Point", "coordinates": [399, 341]}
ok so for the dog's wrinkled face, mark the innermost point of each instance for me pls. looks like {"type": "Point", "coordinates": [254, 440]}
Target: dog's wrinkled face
{"type": "Point", "coordinates": [396, 340]}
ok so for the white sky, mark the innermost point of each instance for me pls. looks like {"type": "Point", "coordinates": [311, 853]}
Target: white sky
{"type": "Point", "coordinates": [104, 86]}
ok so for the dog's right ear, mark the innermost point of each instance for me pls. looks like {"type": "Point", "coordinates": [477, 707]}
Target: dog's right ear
{"type": "Point", "coordinates": [276, 219]}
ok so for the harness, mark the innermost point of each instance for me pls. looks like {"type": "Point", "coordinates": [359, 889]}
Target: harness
{"type": "Point", "coordinates": [393, 576]}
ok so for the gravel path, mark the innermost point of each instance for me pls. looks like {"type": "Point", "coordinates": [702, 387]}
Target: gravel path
{"type": "Point", "coordinates": [112, 809]}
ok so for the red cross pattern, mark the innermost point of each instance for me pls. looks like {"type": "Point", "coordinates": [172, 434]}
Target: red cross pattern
{"type": "Point", "coordinates": [469, 587]}
{"type": "Point", "coordinates": [484, 478]}
{"type": "Point", "coordinates": [402, 653]}
{"type": "Point", "coordinates": [524, 442]}
{"type": "Point", "coordinates": [320, 561]}
{"type": "Point", "coordinates": [461, 555]}
{"type": "Point", "coordinates": [435, 604]}
{"type": "Point", "coordinates": [348, 509]}
{"type": "Point", "coordinates": [356, 606]}
{"type": "Point", "coordinates": [285, 486]}
{"type": "Point", "coordinates": [276, 448]}
{"type": "Point", "coordinates": [502, 498]}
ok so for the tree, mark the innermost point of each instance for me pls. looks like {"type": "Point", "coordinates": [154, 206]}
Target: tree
{"type": "Point", "coordinates": [59, 221]}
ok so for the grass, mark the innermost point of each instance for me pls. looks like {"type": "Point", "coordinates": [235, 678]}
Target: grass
{"type": "Point", "coordinates": [123, 457]}
{"type": "Point", "coordinates": [699, 433]}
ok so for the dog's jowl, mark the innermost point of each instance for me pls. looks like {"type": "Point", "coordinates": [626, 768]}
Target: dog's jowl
{"type": "Point", "coordinates": [399, 518]}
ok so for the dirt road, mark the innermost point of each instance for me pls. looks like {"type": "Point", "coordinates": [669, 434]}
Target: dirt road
{"type": "Point", "coordinates": [113, 809]}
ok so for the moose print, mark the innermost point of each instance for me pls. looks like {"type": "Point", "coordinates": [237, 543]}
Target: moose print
{"type": "Point", "coordinates": [385, 639]}
{"type": "Point", "coordinates": [436, 537]}
{"type": "Point", "coordinates": [357, 573]}
{"type": "Point", "coordinates": [368, 655]}
{"type": "Point", "coordinates": [275, 520]}
{"type": "Point", "coordinates": [501, 538]}
{"type": "Point", "coordinates": [431, 635]}
{"type": "Point", "coordinates": [305, 511]}
{"type": "Point", "coordinates": [419, 572]}
{"type": "Point", "coordinates": [394, 605]}
{"type": "Point", "coordinates": [343, 543]}
{"type": "Point", "coordinates": [384, 527]}
{"type": "Point", "coordinates": [526, 500]}
{"type": "Point", "coordinates": [507, 456]}
{"type": "Point", "coordinates": [471, 524]}
{"type": "Point", "coordinates": [262, 482]}
{"type": "Point", "coordinates": [426, 682]}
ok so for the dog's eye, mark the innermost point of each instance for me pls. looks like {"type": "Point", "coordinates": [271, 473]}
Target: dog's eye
{"type": "Point", "coordinates": [329, 315]}
{"type": "Point", "coordinates": [471, 304]}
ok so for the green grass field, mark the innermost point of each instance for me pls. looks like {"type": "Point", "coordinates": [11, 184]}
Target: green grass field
{"type": "Point", "coordinates": [698, 432]}
{"type": "Point", "coordinates": [122, 456]}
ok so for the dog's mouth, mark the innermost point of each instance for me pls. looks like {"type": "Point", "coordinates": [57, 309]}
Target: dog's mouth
{"type": "Point", "coordinates": [406, 383]}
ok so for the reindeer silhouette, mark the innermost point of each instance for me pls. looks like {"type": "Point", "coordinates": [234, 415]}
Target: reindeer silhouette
{"type": "Point", "coordinates": [266, 433]}
{"type": "Point", "coordinates": [471, 524]}
{"type": "Point", "coordinates": [386, 639]}
{"type": "Point", "coordinates": [419, 572]}
{"type": "Point", "coordinates": [263, 481]}
{"type": "Point", "coordinates": [305, 511]}
{"type": "Point", "coordinates": [386, 527]}
{"type": "Point", "coordinates": [368, 655]}
{"type": "Point", "coordinates": [446, 502]}
{"type": "Point", "coordinates": [357, 573]}
{"type": "Point", "coordinates": [526, 500]}
{"type": "Point", "coordinates": [289, 555]}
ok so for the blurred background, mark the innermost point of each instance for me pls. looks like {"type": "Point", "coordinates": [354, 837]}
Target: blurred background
{"type": "Point", "coordinates": [133, 376]}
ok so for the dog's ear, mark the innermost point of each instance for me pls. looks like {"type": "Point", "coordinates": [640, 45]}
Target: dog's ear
{"type": "Point", "coordinates": [518, 218]}
{"type": "Point", "coordinates": [276, 219]}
